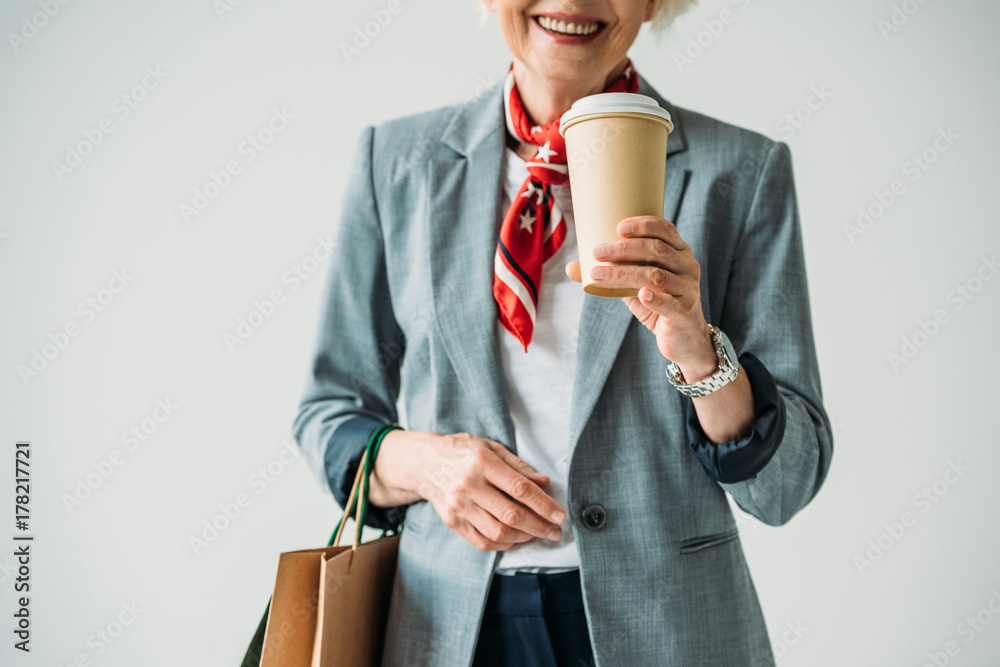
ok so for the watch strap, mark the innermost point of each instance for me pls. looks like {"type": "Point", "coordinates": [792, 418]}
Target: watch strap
{"type": "Point", "coordinates": [727, 372]}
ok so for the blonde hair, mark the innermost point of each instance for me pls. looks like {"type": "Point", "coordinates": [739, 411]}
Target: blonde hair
{"type": "Point", "coordinates": [664, 14]}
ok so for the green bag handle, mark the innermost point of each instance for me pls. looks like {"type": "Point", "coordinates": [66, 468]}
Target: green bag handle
{"type": "Point", "coordinates": [256, 648]}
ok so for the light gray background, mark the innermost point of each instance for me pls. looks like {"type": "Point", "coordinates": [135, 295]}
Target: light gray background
{"type": "Point", "coordinates": [897, 429]}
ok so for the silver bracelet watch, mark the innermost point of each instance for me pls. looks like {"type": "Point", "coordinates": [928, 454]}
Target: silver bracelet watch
{"type": "Point", "coordinates": [729, 368]}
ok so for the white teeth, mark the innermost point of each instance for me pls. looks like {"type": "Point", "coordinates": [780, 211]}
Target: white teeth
{"type": "Point", "coordinates": [568, 28]}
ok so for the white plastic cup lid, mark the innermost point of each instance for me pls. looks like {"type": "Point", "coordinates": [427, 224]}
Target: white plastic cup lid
{"type": "Point", "coordinates": [615, 103]}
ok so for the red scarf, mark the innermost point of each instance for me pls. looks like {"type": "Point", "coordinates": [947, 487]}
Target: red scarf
{"type": "Point", "coordinates": [534, 228]}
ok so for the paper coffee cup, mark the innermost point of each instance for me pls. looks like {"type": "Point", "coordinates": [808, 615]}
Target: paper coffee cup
{"type": "Point", "coordinates": [616, 149]}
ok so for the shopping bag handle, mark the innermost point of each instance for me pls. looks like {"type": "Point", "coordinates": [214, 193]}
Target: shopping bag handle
{"type": "Point", "coordinates": [357, 499]}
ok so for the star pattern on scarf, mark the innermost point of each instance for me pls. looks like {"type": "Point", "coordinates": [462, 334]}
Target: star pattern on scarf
{"type": "Point", "coordinates": [544, 152]}
{"type": "Point", "coordinates": [533, 189]}
{"type": "Point", "coordinates": [527, 220]}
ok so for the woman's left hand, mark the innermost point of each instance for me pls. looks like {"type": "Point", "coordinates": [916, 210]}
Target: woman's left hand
{"type": "Point", "coordinates": [669, 301]}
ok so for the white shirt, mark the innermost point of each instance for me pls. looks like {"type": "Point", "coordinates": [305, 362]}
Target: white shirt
{"type": "Point", "coordinates": [540, 383]}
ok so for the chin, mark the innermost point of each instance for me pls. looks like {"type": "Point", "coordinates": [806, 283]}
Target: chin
{"type": "Point", "coordinates": [573, 67]}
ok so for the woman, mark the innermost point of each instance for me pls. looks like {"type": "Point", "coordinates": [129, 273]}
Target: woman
{"type": "Point", "coordinates": [565, 499]}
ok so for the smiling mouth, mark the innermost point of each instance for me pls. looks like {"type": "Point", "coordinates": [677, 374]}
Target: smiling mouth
{"type": "Point", "coordinates": [568, 27]}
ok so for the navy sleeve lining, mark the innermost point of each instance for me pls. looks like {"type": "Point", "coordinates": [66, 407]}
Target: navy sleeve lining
{"type": "Point", "coordinates": [739, 460]}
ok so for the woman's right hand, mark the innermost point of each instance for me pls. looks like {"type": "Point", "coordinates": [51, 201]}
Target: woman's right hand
{"type": "Point", "coordinates": [479, 488]}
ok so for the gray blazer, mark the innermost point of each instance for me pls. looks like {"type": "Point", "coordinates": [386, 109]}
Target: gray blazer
{"type": "Point", "coordinates": [408, 323]}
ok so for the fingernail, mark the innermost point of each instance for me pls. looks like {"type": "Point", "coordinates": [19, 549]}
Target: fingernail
{"type": "Point", "coordinates": [600, 250]}
{"type": "Point", "coordinates": [599, 272]}
{"type": "Point", "coordinates": [625, 228]}
{"type": "Point", "coordinates": [558, 516]}
{"type": "Point", "coordinates": [555, 534]}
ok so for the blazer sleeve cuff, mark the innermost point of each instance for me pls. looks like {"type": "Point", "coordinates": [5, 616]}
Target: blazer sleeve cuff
{"type": "Point", "coordinates": [342, 458]}
{"type": "Point", "coordinates": [740, 460]}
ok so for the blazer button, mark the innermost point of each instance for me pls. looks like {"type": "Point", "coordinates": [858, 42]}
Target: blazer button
{"type": "Point", "coordinates": [594, 517]}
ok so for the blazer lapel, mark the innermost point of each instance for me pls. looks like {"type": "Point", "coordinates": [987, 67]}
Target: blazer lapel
{"type": "Point", "coordinates": [463, 219]}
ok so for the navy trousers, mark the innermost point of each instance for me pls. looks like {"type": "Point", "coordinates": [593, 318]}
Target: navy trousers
{"type": "Point", "coordinates": [534, 620]}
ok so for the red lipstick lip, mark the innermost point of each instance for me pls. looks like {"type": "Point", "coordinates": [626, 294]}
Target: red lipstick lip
{"type": "Point", "coordinates": [569, 39]}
